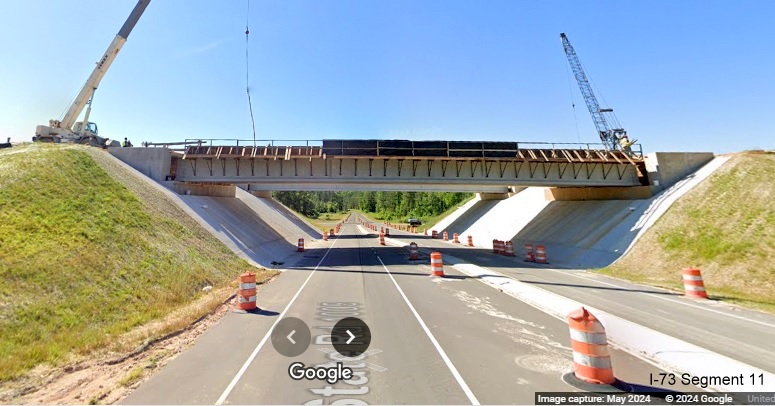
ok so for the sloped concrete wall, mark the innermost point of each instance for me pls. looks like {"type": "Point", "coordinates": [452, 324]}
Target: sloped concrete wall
{"type": "Point", "coordinates": [151, 162]}
{"type": "Point", "coordinates": [667, 168]}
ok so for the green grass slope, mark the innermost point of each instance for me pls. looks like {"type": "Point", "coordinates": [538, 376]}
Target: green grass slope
{"type": "Point", "coordinates": [725, 226]}
{"type": "Point", "coordinates": [83, 259]}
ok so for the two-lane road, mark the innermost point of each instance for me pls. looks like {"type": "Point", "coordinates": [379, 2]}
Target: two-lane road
{"type": "Point", "coordinates": [737, 333]}
{"type": "Point", "coordinates": [449, 340]}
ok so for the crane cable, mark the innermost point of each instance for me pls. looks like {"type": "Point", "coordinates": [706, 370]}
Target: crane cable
{"type": "Point", "coordinates": [247, 70]}
{"type": "Point", "coordinates": [573, 102]}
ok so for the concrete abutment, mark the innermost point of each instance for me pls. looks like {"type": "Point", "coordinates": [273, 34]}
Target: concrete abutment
{"type": "Point", "coordinates": [204, 189]}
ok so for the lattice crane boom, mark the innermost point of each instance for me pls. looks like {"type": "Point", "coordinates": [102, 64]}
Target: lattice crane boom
{"type": "Point", "coordinates": [610, 136]}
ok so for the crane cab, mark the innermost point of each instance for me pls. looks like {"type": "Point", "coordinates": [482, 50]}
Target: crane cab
{"type": "Point", "coordinates": [89, 129]}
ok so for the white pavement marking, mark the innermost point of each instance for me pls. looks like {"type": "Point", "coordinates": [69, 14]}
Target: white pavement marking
{"type": "Point", "coordinates": [654, 295]}
{"type": "Point", "coordinates": [263, 341]}
{"type": "Point", "coordinates": [671, 354]}
{"type": "Point", "coordinates": [455, 373]}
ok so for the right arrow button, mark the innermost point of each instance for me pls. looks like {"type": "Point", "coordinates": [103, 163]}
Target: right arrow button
{"type": "Point", "coordinates": [351, 337]}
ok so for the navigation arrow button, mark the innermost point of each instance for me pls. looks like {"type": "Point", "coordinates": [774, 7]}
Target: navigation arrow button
{"type": "Point", "coordinates": [350, 337]}
{"type": "Point", "coordinates": [291, 337]}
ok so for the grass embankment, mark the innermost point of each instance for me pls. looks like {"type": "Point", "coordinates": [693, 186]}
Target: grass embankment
{"type": "Point", "coordinates": [325, 221]}
{"type": "Point", "coordinates": [84, 260]}
{"type": "Point", "coordinates": [428, 222]}
{"type": "Point", "coordinates": [431, 221]}
{"type": "Point", "coordinates": [725, 226]}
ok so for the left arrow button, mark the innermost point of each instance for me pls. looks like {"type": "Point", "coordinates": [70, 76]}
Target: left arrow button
{"type": "Point", "coordinates": [291, 337]}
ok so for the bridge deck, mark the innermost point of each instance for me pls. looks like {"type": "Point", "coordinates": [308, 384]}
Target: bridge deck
{"type": "Point", "coordinates": [424, 153]}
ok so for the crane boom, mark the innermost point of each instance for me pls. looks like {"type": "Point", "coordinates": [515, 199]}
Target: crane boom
{"type": "Point", "coordinates": [609, 136]}
{"type": "Point", "coordinates": [102, 66]}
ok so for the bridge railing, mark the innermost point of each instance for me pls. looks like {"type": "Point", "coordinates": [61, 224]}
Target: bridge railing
{"type": "Point", "coordinates": [450, 149]}
{"type": "Point", "coordinates": [210, 142]}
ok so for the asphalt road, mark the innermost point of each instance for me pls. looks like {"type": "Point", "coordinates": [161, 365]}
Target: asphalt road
{"type": "Point", "coordinates": [450, 340]}
{"type": "Point", "coordinates": [740, 334]}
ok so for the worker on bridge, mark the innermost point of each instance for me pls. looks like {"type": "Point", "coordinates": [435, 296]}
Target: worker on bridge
{"type": "Point", "coordinates": [126, 143]}
{"type": "Point", "coordinates": [625, 143]}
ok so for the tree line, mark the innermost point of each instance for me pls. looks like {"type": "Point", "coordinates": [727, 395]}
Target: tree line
{"type": "Point", "coordinates": [387, 205]}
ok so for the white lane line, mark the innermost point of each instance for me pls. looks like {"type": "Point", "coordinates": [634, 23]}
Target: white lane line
{"type": "Point", "coordinates": [657, 295]}
{"type": "Point", "coordinates": [455, 373]}
{"type": "Point", "coordinates": [263, 341]}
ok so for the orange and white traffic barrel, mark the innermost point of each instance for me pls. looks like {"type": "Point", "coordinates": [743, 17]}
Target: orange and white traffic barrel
{"type": "Point", "coordinates": [246, 296]}
{"type": "Point", "coordinates": [455, 238]}
{"type": "Point", "coordinates": [331, 232]}
{"type": "Point", "coordinates": [445, 236]}
{"type": "Point", "coordinates": [387, 231]}
{"type": "Point", "coordinates": [300, 246]}
{"type": "Point", "coordinates": [541, 254]}
{"type": "Point", "coordinates": [381, 238]}
{"type": "Point", "coordinates": [413, 251]}
{"type": "Point", "coordinates": [437, 265]}
{"type": "Point", "coordinates": [470, 241]}
{"type": "Point", "coordinates": [509, 249]}
{"type": "Point", "coordinates": [494, 246]}
{"type": "Point", "coordinates": [434, 234]}
{"type": "Point", "coordinates": [325, 235]}
{"type": "Point", "coordinates": [591, 361]}
{"type": "Point", "coordinates": [693, 284]}
{"type": "Point", "coordinates": [529, 257]}
{"type": "Point", "coordinates": [501, 247]}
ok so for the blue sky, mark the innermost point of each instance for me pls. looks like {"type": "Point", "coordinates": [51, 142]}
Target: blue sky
{"type": "Point", "coordinates": [681, 75]}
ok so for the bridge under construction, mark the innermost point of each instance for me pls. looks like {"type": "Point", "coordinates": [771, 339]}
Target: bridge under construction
{"type": "Point", "coordinates": [399, 165]}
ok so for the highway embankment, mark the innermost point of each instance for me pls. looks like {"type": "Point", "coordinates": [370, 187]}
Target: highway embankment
{"type": "Point", "coordinates": [91, 256]}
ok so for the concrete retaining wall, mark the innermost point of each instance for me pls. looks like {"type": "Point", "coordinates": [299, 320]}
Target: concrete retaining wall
{"type": "Point", "coordinates": [492, 196]}
{"type": "Point", "coordinates": [204, 189]}
{"type": "Point", "coordinates": [151, 162]}
{"type": "Point", "coordinates": [597, 193]}
{"type": "Point", "coordinates": [667, 168]}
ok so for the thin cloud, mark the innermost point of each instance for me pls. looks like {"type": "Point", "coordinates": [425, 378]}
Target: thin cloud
{"type": "Point", "coordinates": [206, 47]}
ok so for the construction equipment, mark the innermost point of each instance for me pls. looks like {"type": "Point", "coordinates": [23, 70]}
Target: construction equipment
{"type": "Point", "coordinates": [608, 127]}
{"type": "Point", "coordinates": [85, 132]}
